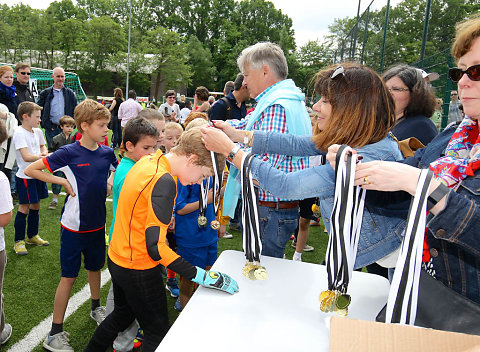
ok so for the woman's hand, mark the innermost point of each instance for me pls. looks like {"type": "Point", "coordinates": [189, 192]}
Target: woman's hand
{"type": "Point", "coordinates": [216, 140]}
{"type": "Point", "coordinates": [387, 176]}
{"type": "Point", "coordinates": [332, 154]}
{"type": "Point", "coordinates": [234, 134]}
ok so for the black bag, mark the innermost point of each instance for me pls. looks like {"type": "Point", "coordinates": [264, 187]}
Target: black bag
{"type": "Point", "coordinates": [439, 307]}
{"type": "Point", "coordinates": [228, 106]}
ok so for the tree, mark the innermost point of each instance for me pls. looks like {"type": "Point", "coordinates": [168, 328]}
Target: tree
{"type": "Point", "coordinates": [204, 72]}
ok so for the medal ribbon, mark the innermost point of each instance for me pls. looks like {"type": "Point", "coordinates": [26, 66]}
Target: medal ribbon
{"type": "Point", "coordinates": [252, 244]}
{"type": "Point", "coordinates": [203, 199]}
{"type": "Point", "coordinates": [217, 181]}
{"type": "Point", "coordinates": [346, 221]}
{"type": "Point", "coordinates": [403, 295]}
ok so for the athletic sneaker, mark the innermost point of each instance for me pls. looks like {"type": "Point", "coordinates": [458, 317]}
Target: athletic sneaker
{"type": "Point", "coordinates": [227, 235]}
{"type": "Point", "coordinates": [19, 248]}
{"type": "Point", "coordinates": [52, 205]}
{"type": "Point", "coordinates": [58, 342]}
{"type": "Point", "coordinates": [98, 314]}
{"type": "Point", "coordinates": [307, 248]}
{"type": "Point", "coordinates": [178, 305]}
{"type": "Point", "coordinates": [38, 241]}
{"type": "Point", "coordinates": [172, 286]}
{"type": "Point", "coordinates": [6, 333]}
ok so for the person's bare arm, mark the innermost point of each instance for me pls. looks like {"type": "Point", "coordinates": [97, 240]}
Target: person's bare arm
{"type": "Point", "coordinates": [112, 105]}
{"type": "Point", "coordinates": [35, 170]}
{"type": "Point", "coordinates": [29, 157]}
{"type": "Point", "coordinates": [5, 218]}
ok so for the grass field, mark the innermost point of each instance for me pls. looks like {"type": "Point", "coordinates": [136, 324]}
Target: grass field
{"type": "Point", "coordinates": [31, 281]}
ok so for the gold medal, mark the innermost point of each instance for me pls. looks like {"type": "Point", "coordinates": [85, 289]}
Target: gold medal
{"type": "Point", "coordinates": [341, 312]}
{"type": "Point", "coordinates": [315, 208]}
{"type": "Point", "coordinates": [215, 224]}
{"type": "Point", "coordinates": [202, 221]}
{"type": "Point", "coordinates": [327, 300]}
{"type": "Point", "coordinates": [260, 273]}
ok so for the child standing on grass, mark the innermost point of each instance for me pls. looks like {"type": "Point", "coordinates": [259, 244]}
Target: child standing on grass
{"type": "Point", "coordinates": [29, 146]}
{"type": "Point", "coordinates": [139, 139]}
{"type": "Point", "coordinates": [6, 207]}
{"type": "Point", "coordinates": [138, 245]}
{"type": "Point", "coordinates": [198, 245]}
{"type": "Point", "coordinates": [67, 124]}
{"type": "Point", "coordinates": [86, 164]}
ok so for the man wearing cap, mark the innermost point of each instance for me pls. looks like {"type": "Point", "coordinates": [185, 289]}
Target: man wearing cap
{"type": "Point", "coordinates": [429, 77]}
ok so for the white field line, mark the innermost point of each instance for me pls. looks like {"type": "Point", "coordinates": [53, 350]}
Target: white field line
{"type": "Point", "coordinates": [39, 332]}
{"type": "Point", "coordinates": [64, 194]}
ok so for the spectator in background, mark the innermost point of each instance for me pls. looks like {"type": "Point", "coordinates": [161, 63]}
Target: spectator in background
{"type": "Point", "coordinates": [232, 106]}
{"type": "Point", "coordinates": [129, 109]}
{"type": "Point", "coordinates": [200, 103]}
{"type": "Point", "coordinates": [414, 103]}
{"type": "Point", "coordinates": [185, 111]}
{"type": "Point", "coordinates": [115, 122]}
{"type": "Point", "coordinates": [229, 86]}
{"type": "Point", "coordinates": [56, 102]}
{"type": "Point", "coordinates": [437, 115]}
{"type": "Point", "coordinates": [21, 83]}
{"type": "Point", "coordinates": [182, 101]}
{"type": "Point", "coordinates": [170, 109]}
{"type": "Point", "coordinates": [454, 113]}
{"type": "Point", "coordinates": [7, 98]}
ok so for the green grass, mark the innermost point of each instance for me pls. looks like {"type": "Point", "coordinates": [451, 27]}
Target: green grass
{"type": "Point", "coordinates": [31, 281]}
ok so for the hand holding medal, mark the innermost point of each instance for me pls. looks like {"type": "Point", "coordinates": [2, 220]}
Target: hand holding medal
{"type": "Point", "coordinates": [252, 244]}
{"type": "Point", "coordinates": [346, 221]}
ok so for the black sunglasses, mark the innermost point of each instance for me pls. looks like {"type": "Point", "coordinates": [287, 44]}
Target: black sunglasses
{"type": "Point", "coordinates": [25, 73]}
{"type": "Point", "coordinates": [473, 72]}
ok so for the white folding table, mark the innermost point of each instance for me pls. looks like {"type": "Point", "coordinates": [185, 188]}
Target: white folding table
{"type": "Point", "coordinates": [281, 313]}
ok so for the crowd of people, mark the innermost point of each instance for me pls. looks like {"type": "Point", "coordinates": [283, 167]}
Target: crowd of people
{"type": "Point", "coordinates": [160, 240]}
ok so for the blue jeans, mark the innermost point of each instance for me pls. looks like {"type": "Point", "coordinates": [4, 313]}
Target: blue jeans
{"type": "Point", "coordinates": [116, 132]}
{"type": "Point", "coordinates": [56, 188]}
{"type": "Point", "coordinates": [52, 132]}
{"type": "Point", "coordinates": [276, 227]}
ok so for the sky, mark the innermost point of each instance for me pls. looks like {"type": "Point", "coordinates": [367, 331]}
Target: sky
{"type": "Point", "coordinates": [311, 18]}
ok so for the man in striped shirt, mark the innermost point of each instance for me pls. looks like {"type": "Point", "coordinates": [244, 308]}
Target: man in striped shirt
{"type": "Point", "coordinates": [280, 108]}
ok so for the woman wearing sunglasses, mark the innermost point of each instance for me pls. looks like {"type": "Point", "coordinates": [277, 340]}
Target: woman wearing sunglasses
{"type": "Point", "coordinates": [454, 220]}
{"type": "Point", "coordinates": [414, 103]}
{"type": "Point", "coordinates": [355, 109]}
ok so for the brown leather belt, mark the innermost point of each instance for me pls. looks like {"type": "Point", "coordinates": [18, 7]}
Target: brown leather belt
{"type": "Point", "coordinates": [278, 205]}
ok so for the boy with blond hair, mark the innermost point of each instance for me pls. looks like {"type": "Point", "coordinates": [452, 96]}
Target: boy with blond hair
{"type": "Point", "coordinates": [67, 124]}
{"type": "Point", "coordinates": [86, 165]}
{"type": "Point", "coordinates": [173, 131]}
{"type": "Point", "coordinates": [29, 146]}
{"type": "Point", "coordinates": [138, 245]}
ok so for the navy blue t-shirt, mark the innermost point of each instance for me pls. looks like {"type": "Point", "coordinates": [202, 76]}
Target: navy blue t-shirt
{"type": "Point", "coordinates": [87, 171]}
{"type": "Point", "coordinates": [420, 127]}
{"type": "Point", "coordinates": [219, 110]}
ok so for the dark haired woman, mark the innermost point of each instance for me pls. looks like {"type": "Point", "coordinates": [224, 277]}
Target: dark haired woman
{"type": "Point", "coordinates": [355, 109]}
{"type": "Point", "coordinates": [414, 103]}
{"type": "Point", "coordinates": [116, 124]}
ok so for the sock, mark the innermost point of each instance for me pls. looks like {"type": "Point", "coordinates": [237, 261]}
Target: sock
{"type": "Point", "coordinates": [56, 328]}
{"type": "Point", "coordinates": [171, 274]}
{"type": "Point", "coordinates": [297, 256]}
{"type": "Point", "coordinates": [20, 225]}
{"type": "Point", "coordinates": [95, 303]}
{"type": "Point", "coordinates": [32, 229]}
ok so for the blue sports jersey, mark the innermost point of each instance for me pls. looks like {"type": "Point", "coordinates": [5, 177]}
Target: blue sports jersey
{"type": "Point", "coordinates": [187, 232]}
{"type": "Point", "coordinates": [87, 172]}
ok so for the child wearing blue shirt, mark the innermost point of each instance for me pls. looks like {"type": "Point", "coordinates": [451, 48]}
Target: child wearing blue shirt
{"type": "Point", "coordinates": [86, 164]}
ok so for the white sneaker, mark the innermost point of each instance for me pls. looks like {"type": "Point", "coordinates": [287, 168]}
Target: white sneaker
{"type": "Point", "coordinates": [227, 235]}
{"type": "Point", "coordinates": [98, 314]}
{"type": "Point", "coordinates": [58, 342]}
{"type": "Point", "coordinates": [6, 333]}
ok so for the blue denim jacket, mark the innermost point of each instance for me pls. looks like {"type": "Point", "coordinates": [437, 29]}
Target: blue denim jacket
{"type": "Point", "coordinates": [382, 227]}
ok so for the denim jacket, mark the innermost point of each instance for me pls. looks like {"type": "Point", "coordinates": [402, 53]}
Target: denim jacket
{"type": "Point", "coordinates": [382, 227]}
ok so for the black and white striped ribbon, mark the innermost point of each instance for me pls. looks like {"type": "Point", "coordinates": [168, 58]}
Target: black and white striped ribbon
{"type": "Point", "coordinates": [403, 295]}
{"type": "Point", "coordinates": [217, 181]}
{"type": "Point", "coordinates": [346, 222]}
{"type": "Point", "coordinates": [252, 244]}
{"type": "Point", "coordinates": [203, 199]}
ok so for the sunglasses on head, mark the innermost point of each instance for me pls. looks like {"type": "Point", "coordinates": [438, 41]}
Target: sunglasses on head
{"type": "Point", "coordinates": [473, 72]}
{"type": "Point", "coordinates": [338, 71]}
{"type": "Point", "coordinates": [25, 73]}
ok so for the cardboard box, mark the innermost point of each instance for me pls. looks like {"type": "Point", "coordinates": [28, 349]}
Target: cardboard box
{"type": "Point", "coordinates": [358, 335]}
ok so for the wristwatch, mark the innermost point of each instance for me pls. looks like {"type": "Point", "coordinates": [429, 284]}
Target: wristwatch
{"type": "Point", "coordinates": [233, 152]}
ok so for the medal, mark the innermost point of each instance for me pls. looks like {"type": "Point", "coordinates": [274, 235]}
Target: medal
{"type": "Point", "coordinates": [252, 244]}
{"type": "Point", "coordinates": [215, 224]}
{"type": "Point", "coordinates": [343, 236]}
{"type": "Point", "coordinates": [316, 210]}
{"type": "Point", "coordinates": [202, 221]}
